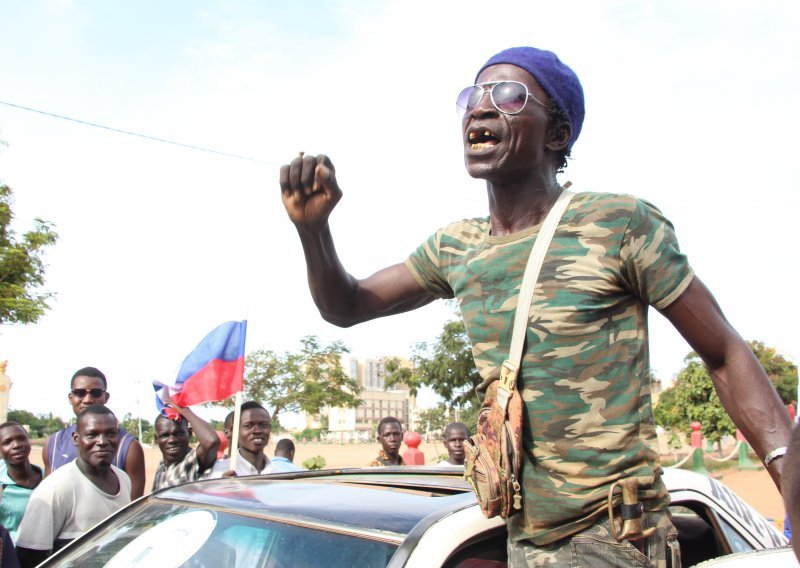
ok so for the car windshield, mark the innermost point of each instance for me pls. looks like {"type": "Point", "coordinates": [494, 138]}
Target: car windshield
{"type": "Point", "coordinates": [172, 535]}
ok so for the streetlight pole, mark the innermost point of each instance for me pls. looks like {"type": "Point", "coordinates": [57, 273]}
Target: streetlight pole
{"type": "Point", "coordinates": [139, 408]}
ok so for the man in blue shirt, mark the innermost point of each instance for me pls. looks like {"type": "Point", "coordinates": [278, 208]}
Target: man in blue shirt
{"type": "Point", "coordinates": [284, 456]}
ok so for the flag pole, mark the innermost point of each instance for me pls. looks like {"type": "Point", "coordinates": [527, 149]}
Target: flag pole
{"type": "Point", "coordinates": [237, 416]}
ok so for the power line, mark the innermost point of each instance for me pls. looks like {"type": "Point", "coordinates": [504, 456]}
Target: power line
{"type": "Point", "coordinates": [129, 133]}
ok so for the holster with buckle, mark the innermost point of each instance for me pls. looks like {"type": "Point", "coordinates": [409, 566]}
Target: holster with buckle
{"type": "Point", "coordinates": [630, 511]}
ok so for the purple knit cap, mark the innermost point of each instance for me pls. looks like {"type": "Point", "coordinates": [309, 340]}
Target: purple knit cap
{"type": "Point", "coordinates": [559, 81]}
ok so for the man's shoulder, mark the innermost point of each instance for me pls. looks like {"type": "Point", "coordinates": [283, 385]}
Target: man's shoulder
{"type": "Point", "coordinates": [58, 479]}
{"type": "Point", "coordinates": [605, 200]}
{"type": "Point", "coordinates": [66, 430]}
{"type": "Point", "coordinates": [465, 228]}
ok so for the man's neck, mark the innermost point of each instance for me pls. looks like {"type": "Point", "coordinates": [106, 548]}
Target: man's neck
{"type": "Point", "coordinates": [394, 458]}
{"type": "Point", "coordinates": [518, 205]}
{"type": "Point", "coordinates": [23, 473]}
{"type": "Point", "coordinates": [102, 477]}
{"type": "Point", "coordinates": [257, 459]}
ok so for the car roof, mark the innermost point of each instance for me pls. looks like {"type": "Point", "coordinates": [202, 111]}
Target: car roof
{"type": "Point", "coordinates": [388, 502]}
{"type": "Point", "coordinates": [389, 499]}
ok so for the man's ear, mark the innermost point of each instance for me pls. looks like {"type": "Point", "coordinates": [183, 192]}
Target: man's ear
{"type": "Point", "coordinates": [558, 138]}
{"type": "Point", "coordinates": [75, 438]}
{"type": "Point", "coordinates": [108, 395]}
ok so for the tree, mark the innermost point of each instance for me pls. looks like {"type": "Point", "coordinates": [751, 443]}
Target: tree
{"type": "Point", "coordinates": [131, 425]}
{"type": "Point", "coordinates": [306, 381]}
{"type": "Point", "coordinates": [693, 396]}
{"type": "Point", "coordinates": [433, 419]}
{"type": "Point", "coordinates": [39, 425]}
{"type": "Point", "coordinates": [781, 372]}
{"type": "Point", "coordinates": [446, 366]}
{"type": "Point", "coordinates": [21, 266]}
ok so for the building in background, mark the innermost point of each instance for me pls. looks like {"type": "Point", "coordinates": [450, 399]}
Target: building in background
{"type": "Point", "coordinates": [360, 424]}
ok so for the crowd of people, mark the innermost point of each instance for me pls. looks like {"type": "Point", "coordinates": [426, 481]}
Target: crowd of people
{"type": "Point", "coordinates": [93, 468]}
{"type": "Point", "coordinates": [583, 376]}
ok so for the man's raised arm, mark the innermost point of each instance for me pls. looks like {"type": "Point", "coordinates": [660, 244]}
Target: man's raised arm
{"type": "Point", "coordinates": [310, 193]}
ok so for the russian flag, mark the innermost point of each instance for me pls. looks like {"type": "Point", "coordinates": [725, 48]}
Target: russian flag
{"type": "Point", "coordinates": [213, 371]}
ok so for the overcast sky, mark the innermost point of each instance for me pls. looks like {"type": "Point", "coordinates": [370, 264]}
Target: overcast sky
{"type": "Point", "coordinates": [691, 105]}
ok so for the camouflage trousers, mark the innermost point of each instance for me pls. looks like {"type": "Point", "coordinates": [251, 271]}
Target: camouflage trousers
{"type": "Point", "coordinates": [596, 547]}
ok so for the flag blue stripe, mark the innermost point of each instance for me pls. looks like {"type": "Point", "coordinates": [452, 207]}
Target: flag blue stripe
{"type": "Point", "coordinates": [226, 343]}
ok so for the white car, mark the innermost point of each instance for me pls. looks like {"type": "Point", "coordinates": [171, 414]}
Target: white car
{"type": "Point", "coordinates": [401, 516]}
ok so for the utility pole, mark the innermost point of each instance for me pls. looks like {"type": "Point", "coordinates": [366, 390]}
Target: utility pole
{"type": "Point", "coordinates": [139, 408]}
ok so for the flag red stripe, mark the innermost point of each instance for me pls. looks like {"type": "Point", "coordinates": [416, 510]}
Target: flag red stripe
{"type": "Point", "coordinates": [217, 380]}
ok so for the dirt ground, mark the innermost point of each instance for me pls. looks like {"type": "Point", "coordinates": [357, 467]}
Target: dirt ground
{"type": "Point", "coordinates": [755, 487]}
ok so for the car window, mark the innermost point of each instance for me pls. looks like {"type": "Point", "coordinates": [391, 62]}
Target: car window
{"type": "Point", "coordinates": [171, 535]}
{"type": "Point", "coordinates": [735, 540]}
{"type": "Point", "coordinates": [488, 550]}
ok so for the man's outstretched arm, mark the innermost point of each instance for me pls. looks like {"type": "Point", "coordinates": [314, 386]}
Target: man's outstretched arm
{"type": "Point", "coordinates": [741, 383]}
{"type": "Point", "coordinates": [310, 193]}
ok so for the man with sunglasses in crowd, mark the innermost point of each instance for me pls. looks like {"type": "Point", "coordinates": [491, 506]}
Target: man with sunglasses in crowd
{"type": "Point", "coordinates": [89, 386]}
{"type": "Point", "coordinates": [584, 377]}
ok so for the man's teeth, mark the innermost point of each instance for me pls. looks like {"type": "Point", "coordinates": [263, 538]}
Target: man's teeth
{"type": "Point", "coordinates": [486, 134]}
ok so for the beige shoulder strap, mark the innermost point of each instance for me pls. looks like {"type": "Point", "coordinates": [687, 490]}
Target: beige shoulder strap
{"type": "Point", "coordinates": [510, 368]}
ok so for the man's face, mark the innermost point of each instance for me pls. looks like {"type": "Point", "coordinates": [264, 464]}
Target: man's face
{"type": "Point", "coordinates": [454, 442]}
{"type": "Point", "coordinates": [254, 430]}
{"type": "Point", "coordinates": [97, 438]}
{"type": "Point", "coordinates": [515, 146]}
{"type": "Point", "coordinates": [15, 446]}
{"type": "Point", "coordinates": [92, 390]}
{"type": "Point", "coordinates": [391, 436]}
{"type": "Point", "coordinates": [172, 437]}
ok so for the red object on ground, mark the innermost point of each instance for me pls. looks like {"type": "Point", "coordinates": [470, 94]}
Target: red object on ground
{"type": "Point", "coordinates": [223, 445]}
{"type": "Point", "coordinates": [413, 455]}
{"type": "Point", "coordinates": [697, 435]}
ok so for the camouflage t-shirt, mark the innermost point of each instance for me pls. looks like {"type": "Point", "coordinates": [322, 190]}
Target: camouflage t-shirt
{"type": "Point", "coordinates": [584, 377]}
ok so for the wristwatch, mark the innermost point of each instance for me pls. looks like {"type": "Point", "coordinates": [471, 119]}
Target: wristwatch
{"type": "Point", "coordinates": [774, 454]}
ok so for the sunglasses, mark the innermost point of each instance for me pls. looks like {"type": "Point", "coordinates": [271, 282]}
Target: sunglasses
{"type": "Point", "coordinates": [509, 97]}
{"type": "Point", "coordinates": [81, 393]}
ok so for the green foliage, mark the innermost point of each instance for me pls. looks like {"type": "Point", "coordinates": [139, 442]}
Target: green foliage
{"type": "Point", "coordinates": [309, 434]}
{"type": "Point", "coordinates": [781, 372]}
{"type": "Point", "coordinates": [306, 381]}
{"type": "Point", "coordinates": [446, 366]}
{"type": "Point", "coordinates": [131, 424]}
{"type": "Point", "coordinates": [693, 396]}
{"type": "Point", "coordinates": [21, 266]}
{"type": "Point", "coordinates": [39, 425]}
{"type": "Point", "coordinates": [433, 419]}
{"type": "Point", "coordinates": [469, 416]}
{"type": "Point", "coordinates": [316, 462]}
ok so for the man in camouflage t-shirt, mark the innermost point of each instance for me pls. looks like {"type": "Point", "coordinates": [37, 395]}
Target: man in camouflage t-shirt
{"type": "Point", "coordinates": [584, 378]}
